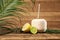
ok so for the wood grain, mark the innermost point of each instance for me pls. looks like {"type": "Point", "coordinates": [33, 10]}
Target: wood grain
{"type": "Point", "coordinates": [39, 36]}
{"type": "Point", "coordinates": [47, 0]}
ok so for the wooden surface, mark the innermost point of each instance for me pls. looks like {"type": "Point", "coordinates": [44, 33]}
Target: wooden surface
{"type": "Point", "coordinates": [39, 36]}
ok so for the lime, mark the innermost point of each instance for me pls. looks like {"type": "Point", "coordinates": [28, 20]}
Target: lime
{"type": "Point", "coordinates": [33, 30]}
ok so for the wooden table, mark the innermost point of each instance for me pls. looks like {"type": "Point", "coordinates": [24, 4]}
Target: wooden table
{"type": "Point", "coordinates": [39, 36]}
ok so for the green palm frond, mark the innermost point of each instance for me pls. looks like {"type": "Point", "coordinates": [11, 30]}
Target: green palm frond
{"type": "Point", "coordinates": [7, 8]}
{"type": "Point", "coordinates": [53, 31]}
{"type": "Point", "coordinates": [5, 30]}
{"type": "Point", "coordinates": [6, 5]}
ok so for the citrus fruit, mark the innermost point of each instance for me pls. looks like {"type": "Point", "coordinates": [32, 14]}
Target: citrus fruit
{"type": "Point", "coordinates": [26, 27]}
{"type": "Point", "coordinates": [33, 30]}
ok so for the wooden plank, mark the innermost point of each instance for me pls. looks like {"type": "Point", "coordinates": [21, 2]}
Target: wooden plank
{"type": "Point", "coordinates": [27, 36]}
{"type": "Point", "coordinates": [42, 0]}
{"type": "Point", "coordinates": [46, 5]}
{"type": "Point", "coordinates": [49, 16]}
{"type": "Point", "coordinates": [54, 25]}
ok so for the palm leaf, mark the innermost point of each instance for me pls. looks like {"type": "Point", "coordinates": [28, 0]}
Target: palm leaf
{"type": "Point", "coordinates": [7, 7]}
{"type": "Point", "coordinates": [53, 31]}
{"type": "Point", "coordinates": [5, 30]}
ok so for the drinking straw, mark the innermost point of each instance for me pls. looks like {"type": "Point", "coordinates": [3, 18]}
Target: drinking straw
{"type": "Point", "coordinates": [38, 11]}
